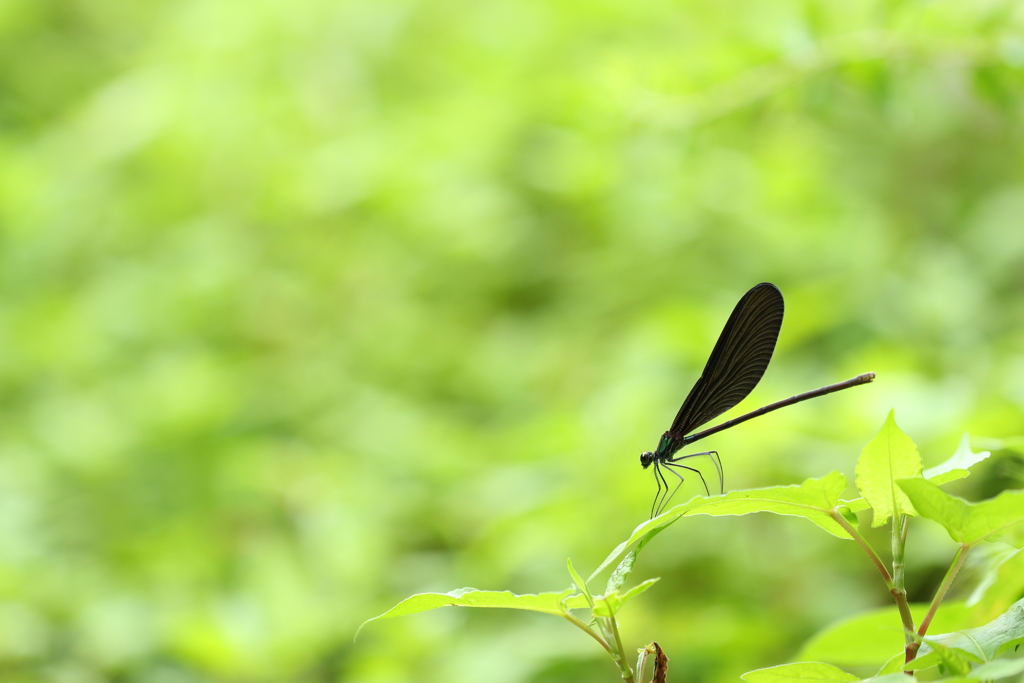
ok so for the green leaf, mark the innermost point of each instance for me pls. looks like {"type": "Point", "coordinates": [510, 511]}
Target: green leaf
{"type": "Point", "coordinates": [806, 672]}
{"type": "Point", "coordinates": [891, 455]}
{"type": "Point", "coordinates": [549, 603]}
{"type": "Point", "coordinates": [953, 660]}
{"type": "Point", "coordinates": [623, 570]}
{"type": "Point", "coordinates": [985, 642]}
{"type": "Point", "coordinates": [967, 523]}
{"type": "Point", "coordinates": [609, 605]}
{"type": "Point", "coordinates": [855, 505]}
{"type": "Point", "coordinates": [814, 499]}
{"type": "Point", "coordinates": [580, 583]}
{"type": "Point", "coordinates": [638, 589]}
{"type": "Point", "coordinates": [957, 467]}
{"type": "Point", "coordinates": [999, 668]}
{"type": "Point", "coordinates": [576, 601]}
{"type": "Point", "coordinates": [849, 515]}
{"type": "Point", "coordinates": [892, 677]}
{"type": "Point", "coordinates": [992, 558]}
{"type": "Point", "coordinates": [959, 464]}
{"type": "Point", "coordinates": [872, 637]}
{"type": "Point", "coordinates": [893, 666]}
{"type": "Point", "coordinates": [626, 565]}
{"type": "Point", "coordinates": [1007, 443]}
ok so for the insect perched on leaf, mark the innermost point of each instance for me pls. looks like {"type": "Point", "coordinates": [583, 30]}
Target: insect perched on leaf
{"type": "Point", "coordinates": [736, 365]}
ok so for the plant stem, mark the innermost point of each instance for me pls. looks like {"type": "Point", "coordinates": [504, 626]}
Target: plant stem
{"type": "Point", "coordinates": [947, 581]}
{"type": "Point", "coordinates": [615, 652]}
{"type": "Point", "coordinates": [899, 542]}
{"type": "Point", "coordinates": [627, 672]}
{"type": "Point", "coordinates": [589, 631]}
{"type": "Point", "coordinates": [897, 595]}
{"type": "Point", "coordinates": [865, 547]}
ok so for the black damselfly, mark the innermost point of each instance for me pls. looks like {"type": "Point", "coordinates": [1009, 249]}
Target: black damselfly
{"type": "Point", "coordinates": [736, 365]}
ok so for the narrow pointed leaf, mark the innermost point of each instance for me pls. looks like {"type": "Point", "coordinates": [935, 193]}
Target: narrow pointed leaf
{"type": "Point", "coordinates": [549, 603]}
{"type": "Point", "coordinates": [609, 605]}
{"type": "Point", "coordinates": [967, 523]}
{"type": "Point", "coordinates": [801, 672]}
{"type": "Point", "coordinates": [641, 536]}
{"type": "Point", "coordinates": [891, 455]}
{"type": "Point", "coordinates": [580, 583]}
{"type": "Point", "coordinates": [613, 555]}
{"type": "Point", "coordinates": [622, 571]}
{"type": "Point", "coordinates": [959, 464]}
{"type": "Point", "coordinates": [638, 589]}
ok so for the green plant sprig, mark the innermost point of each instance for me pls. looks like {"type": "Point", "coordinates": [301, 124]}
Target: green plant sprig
{"type": "Point", "coordinates": [893, 485]}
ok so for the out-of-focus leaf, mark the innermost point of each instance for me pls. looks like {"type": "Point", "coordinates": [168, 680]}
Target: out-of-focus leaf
{"type": "Point", "coordinates": [998, 668]}
{"type": "Point", "coordinates": [953, 660]}
{"type": "Point", "coordinates": [992, 558]}
{"type": "Point", "coordinates": [959, 464]}
{"type": "Point", "coordinates": [891, 455]}
{"type": "Point", "coordinates": [966, 522]}
{"type": "Point", "coordinates": [1007, 443]}
{"type": "Point", "coordinates": [894, 665]}
{"type": "Point", "coordinates": [310, 300]}
{"type": "Point", "coordinates": [984, 642]}
{"type": "Point", "coordinates": [806, 672]}
{"type": "Point", "coordinates": [872, 637]}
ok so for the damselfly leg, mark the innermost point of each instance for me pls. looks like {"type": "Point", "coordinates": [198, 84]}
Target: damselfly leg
{"type": "Point", "coordinates": [666, 491]}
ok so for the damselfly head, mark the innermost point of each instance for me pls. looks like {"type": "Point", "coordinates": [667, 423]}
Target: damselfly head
{"type": "Point", "coordinates": [646, 458]}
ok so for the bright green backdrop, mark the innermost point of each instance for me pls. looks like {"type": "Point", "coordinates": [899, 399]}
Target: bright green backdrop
{"type": "Point", "coordinates": [307, 306]}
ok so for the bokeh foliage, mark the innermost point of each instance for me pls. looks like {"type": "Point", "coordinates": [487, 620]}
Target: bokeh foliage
{"type": "Point", "coordinates": [307, 306]}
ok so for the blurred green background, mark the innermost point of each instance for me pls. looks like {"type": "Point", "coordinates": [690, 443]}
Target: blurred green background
{"type": "Point", "coordinates": [308, 306]}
